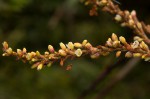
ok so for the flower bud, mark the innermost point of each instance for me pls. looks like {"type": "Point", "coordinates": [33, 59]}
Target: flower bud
{"type": "Point", "coordinates": [88, 45]}
{"type": "Point", "coordinates": [139, 25]}
{"type": "Point", "coordinates": [123, 40]}
{"type": "Point", "coordinates": [128, 54]}
{"type": "Point", "coordinates": [131, 22]}
{"type": "Point", "coordinates": [9, 51]}
{"type": "Point", "coordinates": [77, 45]}
{"type": "Point", "coordinates": [5, 45]}
{"type": "Point", "coordinates": [118, 53]}
{"type": "Point", "coordinates": [123, 24]}
{"type": "Point", "coordinates": [109, 42]}
{"type": "Point", "coordinates": [114, 37]}
{"type": "Point", "coordinates": [40, 66]}
{"type": "Point", "coordinates": [62, 45]}
{"type": "Point", "coordinates": [34, 65]}
{"type": "Point", "coordinates": [24, 50]}
{"type": "Point", "coordinates": [46, 53]}
{"type": "Point", "coordinates": [94, 56]}
{"type": "Point", "coordinates": [116, 44]}
{"type": "Point", "coordinates": [147, 59]}
{"type": "Point", "coordinates": [84, 42]}
{"type": "Point", "coordinates": [144, 46]}
{"type": "Point", "coordinates": [137, 38]}
{"type": "Point", "coordinates": [127, 13]}
{"type": "Point", "coordinates": [70, 45]}
{"type": "Point", "coordinates": [28, 56]}
{"type": "Point", "coordinates": [133, 13]}
{"type": "Point", "coordinates": [137, 54]}
{"type": "Point", "coordinates": [103, 2]}
{"type": "Point", "coordinates": [49, 64]}
{"type": "Point", "coordinates": [33, 54]}
{"type": "Point", "coordinates": [51, 49]}
{"type": "Point", "coordinates": [144, 56]}
{"type": "Point", "coordinates": [38, 53]}
{"type": "Point", "coordinates": [62, 52]}
{"type": "Point", "coordinates": [33, 60]}
{"type": "Point", "coordinates": [19, 52]}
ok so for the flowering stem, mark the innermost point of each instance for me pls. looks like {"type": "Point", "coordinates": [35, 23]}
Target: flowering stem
{"type": "Point", "coordinates": [74, 50]}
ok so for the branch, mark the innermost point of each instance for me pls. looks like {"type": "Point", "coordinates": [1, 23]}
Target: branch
{"type": "Point", "coordinates": [73, 50]}
{"type": "Point", "coordinates": [119, 76]}
{"type": "Point", "coordinates": [125, 18]}
{"type": "Point", "coordinates": [100, 78]}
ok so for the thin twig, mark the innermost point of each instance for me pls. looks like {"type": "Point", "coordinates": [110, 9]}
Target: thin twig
{"type": "Point", "coordinates": [119, 76]}
{"type": "Point", "coordinates": [124, 17]}
{"type": "Point", "coordinates": [101, 77]}
{"type": "Point", "coordinates": [71, 50]}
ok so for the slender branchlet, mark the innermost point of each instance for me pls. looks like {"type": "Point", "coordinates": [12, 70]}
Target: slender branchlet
{"type": "Point", "coordinates": [138, 48]}
{"type": "Point", "coordinates": [74, 50]}
{"type": "Point", "coordinates": [125, 18]}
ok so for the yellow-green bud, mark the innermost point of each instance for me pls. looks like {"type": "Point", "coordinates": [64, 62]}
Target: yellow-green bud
{"type": "Point", "coordinates": [114, 37]}
{"type": "Point", "coordinates": [123, 40]}
{"type": "Point", "coordinates": [9, 51]}
{"type": "Point", "coordinates": [116, 44]}
{"type": "Point", "coordinates": [77, 45]}
{"type": "Point", "coordinates": [38, 53]}
{"type": "Point", "coordinates": [84, 42]}
{"type": "Point", "coordinates": [28, 56]}
{"type": "Point", "coordinates": [62, 45]}
{"type": "Point", "coordinates": [137, 38]}
{"type": "Point", "coordinates": [131, 22]}
{"type": "Point", "coordinates": [144, 46]}
{"type": "Point", "coordinates": [70, 45]}
{"type": "Point", "coordinates": [137, 54]}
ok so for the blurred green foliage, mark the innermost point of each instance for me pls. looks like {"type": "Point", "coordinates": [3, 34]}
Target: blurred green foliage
{"type": "Point", "coordinates": [36, 23]}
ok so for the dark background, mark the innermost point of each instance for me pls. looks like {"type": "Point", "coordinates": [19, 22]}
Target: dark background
{"type": "Point", "coordinates": [34, 24]}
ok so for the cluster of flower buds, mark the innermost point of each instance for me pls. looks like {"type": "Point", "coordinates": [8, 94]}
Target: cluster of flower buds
{"type": "Point", "coordinates": [95, 5]}
{"type": "Point", "coordinates": [126, 18]}
{"type": "Point", "coordinates": [129, 19]}
{"type": "Point", "coordinates": [136, 49]}
{"type": "Point", "coordinates": [71, 50]}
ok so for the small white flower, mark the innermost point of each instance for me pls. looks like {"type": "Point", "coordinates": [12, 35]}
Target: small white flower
{"type": "Point", "coordinates": [135, 44]}
{"type": "Point", "coordinates": [78, 52]}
